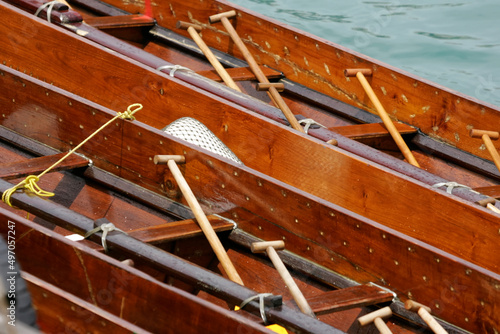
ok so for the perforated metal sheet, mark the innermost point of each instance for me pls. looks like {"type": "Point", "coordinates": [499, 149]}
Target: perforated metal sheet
{"type": "Point", "coordinates": [195, 132]}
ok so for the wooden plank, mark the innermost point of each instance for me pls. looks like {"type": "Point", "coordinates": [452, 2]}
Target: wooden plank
{"type": "Point", "coordinates": [241, 74]}
{"type": "Point", "coordinates": [35, 166]}
{"type": "Point", "coordinates": [58, 311]}
{"type": "Point", "coordinates": [178, 230]}
{"type": "Point", "coordinates": [122, 21]}
{"type": "Point", "coordinates": [358, 131]}
{"type": "Point", "coordinates": [356, 296]}
{"type": "Point", "coordinates": [493, 191]}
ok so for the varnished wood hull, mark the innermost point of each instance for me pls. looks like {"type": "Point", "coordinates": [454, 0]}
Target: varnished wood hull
{"type": "Point", "coordinates": [319, 64]}
{"type": "Point", "coordinates": [313, 222]}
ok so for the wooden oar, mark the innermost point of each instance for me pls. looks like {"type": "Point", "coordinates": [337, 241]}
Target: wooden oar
{"type": "Point", "coordinates": [273, 93]}
{"type": "Point", "coordinates": [270, 247]}
{"type": "Point", "coordinates": [213, 239]}
{"type": "Point", "coordinates": [360, 74]}
{"type": "Point", "coordinates": [377, 318]}
{"type": "Point", "coordinates": [193, 29]}
{"type": "Point", "coordinates": [425, 313]}
{"type": "Point", "coordinates": [487, 136]}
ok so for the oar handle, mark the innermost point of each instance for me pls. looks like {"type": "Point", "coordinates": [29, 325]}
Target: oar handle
{"type": "Point", "coordinates": [205, 226]}
{"type": "Point", "coordinates": [221, 71]}
{"type": "Point", "coordinates": [387, 120]}
{"type": "Point", "coordinates": [261, 77]}
{"type": "Point", "coordinates": [487, 136]}
{"type": "Point", "coordinates": [290, 283]}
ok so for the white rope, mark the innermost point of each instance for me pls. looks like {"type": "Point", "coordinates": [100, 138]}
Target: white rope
{"type": "Point", "coordinates": [261, 297]}
{"type": "Point", "coordinates": [307, 122]}
{"type": "Point", "coordinates": [105, 228]}
{"type": "Point", "coordinates": [452, 185]}
{"type": "Point", "coordinates": [173, 68]}
{"type": "Point", "coordinates": [50, 6]}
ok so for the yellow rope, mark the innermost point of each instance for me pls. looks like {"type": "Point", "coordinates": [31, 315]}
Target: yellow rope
{"type": "Point", "coordinates": [30, 183]}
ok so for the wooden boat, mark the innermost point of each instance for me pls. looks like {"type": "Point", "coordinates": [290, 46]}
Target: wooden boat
{"type": "Point", "coordinates": [105, 293]}
{"type": "Point", "coordinates": [242, 192]}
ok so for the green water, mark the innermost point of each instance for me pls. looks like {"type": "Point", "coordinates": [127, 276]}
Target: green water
{"type": "Point", "coordinates": [453, 43]}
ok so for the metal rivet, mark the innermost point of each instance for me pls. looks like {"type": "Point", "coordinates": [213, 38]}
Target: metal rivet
{"type": "Point", "coordinates": [161, 142]}
{"type": "Point", "coordinates": [272, 209]}
{"type": "Point", "coordinates": [260, 227]}
{"type": "Point", "coordinates": [384, 236]}
{"type": "Point", "coordinates": [370, 250]}
{"type": "Point", "coordinates": [321, 233]}
{"type": "Point", "coordinates": [259, 183]}
{"type": "Point", "coordinates": [161, 91]}
{"type": "Point", "coordinates": [235, 173]}
{"type": "Point", "coordinates": [81, 126]}
{"type": "Point", "coordinates": [437, 305]}
{"type": "Point", "coordinates": [283, 193]}
{"type": "Point", "coordinates": [332, 214]}
{"type": "Point", "coordinates": [437, 260]}
{"type": "Point", "coordinates": [424, 278]}
{"type": "Point", "coordinates": [223, 186]}
{"type": "Point", "coordinates": [396, 262]}
{"type": "Point", "coordinates": [345, 243]}
{"type": "Point", "coordinates": [296, 221]}
{"type": "Point", "coordinates": [468, 272]}
{"type": "Point", "coordinates": [247, 198]}
{"type": "Point", "coordinates": [308, 248]}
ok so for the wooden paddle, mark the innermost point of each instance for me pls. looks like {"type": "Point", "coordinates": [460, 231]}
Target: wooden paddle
{"type": "Point", "coordinates": [360, 74]}
{"type": "Point", "coordinates": [273, 92]}
{"type": "Point", "coordinates": [193, 30]}
{"type": "Point", "coordinates": [206, 227]}
{"type": "Point", "coordinates": [487, 136]}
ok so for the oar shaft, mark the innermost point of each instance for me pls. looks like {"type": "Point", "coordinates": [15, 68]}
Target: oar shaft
{"type": "Point", "coordinates": [205, 226]}
{"type": "Point", "coordinates": [212, 59]}
{"type": "Point", "coordinates": [491, 148]}
{"type": "Point", "coordinates": [273, 93]}
{"type": "Point", "coordinates": [387, 121]}
{"type": "Point", "coordinates": [290, 283]}
{"type": "Point", "coordinates": [429, 320]}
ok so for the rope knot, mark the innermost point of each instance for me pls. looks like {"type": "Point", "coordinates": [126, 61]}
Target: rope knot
{"type": "Point", "coordinates": [307, 122]}
{"type": "Point", "coordinates": [129, 113]}
{"type": "Point", "coordinates": [450, 186]}
{"type": "Point", "coordinates": [32, 185]}
{"type": "Point", "coordinates": [105, 228]}
{"type": "Point", "coordinates": [261, 297]}
{"type": "Point", "coordinates": [173, 69]}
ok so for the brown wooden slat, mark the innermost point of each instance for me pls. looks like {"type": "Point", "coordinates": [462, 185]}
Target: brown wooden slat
{"type": "Point", "coordinates": [493, 191]}
{"type": "Point", "coordinates": [371, 130]}
{"type": "Point", "coordinates": [242, 74]}
{"type": "Point", "coordinates": [122, 21]}
{"type": "Point", "coordinates": [356, 296]}
{"type": "Point", "coordinates": [35, 166]}
{"type": "Point", "coordinates": [53, 305]}
{"type": "Point", "coordinates": [178, 230]}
